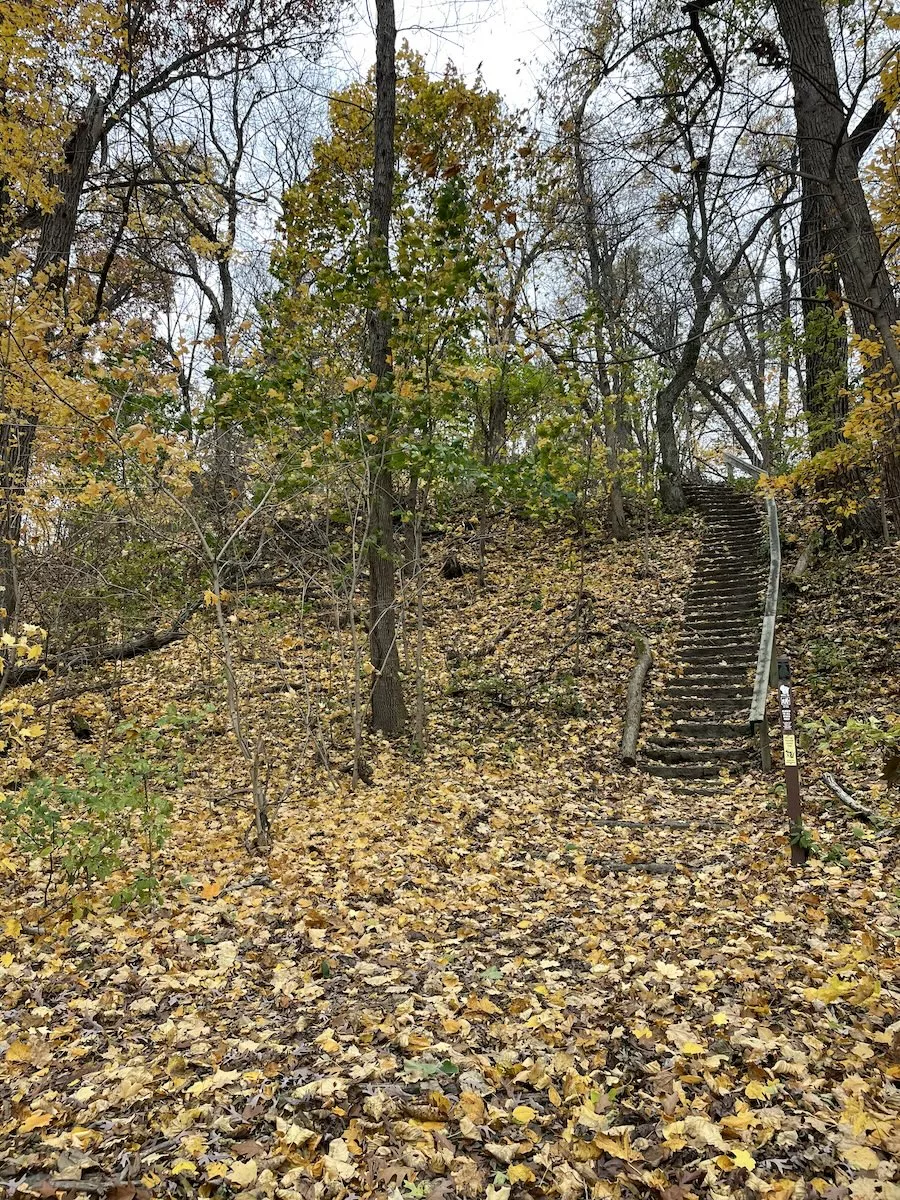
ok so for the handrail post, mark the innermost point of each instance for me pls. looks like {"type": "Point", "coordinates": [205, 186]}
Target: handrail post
{"type": "Point", "coordinates": [765, 750]}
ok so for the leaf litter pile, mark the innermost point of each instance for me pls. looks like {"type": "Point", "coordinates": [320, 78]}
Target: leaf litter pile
{"type": "Point", "coordinates": [508, 967]}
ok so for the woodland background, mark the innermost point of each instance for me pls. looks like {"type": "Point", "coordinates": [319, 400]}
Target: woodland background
{"type": "Point", "coordinates": [345, 435]}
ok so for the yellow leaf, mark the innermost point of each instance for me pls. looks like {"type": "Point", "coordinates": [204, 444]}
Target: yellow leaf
{"type": "Point", "coordinates": [243, 1173]}
{"type": "Point", "coordinates": [863, 1158]}
{"type": "Point", "coordinates": [11, 927]}
{"type": "Point", "coordinates": [183, 1166]}
{"type": "Point", "coordinates": [720, 1018]}
{"type": "Point", "coordinates": [328, 1043]}
{"type": "Point", "coordinates": [7, 959]}
{"type": "Point", "coordinates": [522, 1114]}
{"type": "Point", "coordinates": [472, 1106]}
{"type": "Point", "coordinates": [616, 1147]}
{"type": "Point", "coordinates": [755, 1090]}
{"type": "Point", "coordinates": [216, 1170]}
{"type": "Point", "coordinates": [692, 1048]}
{"type": "Point", "coordinates": [833, 990]}
{"type": "Point", "coordinates": [743, 1159]}
{"type": "Point", "coordinates": [36, 1121]}
{"type": "Point", "coordinates": [195, 1145]}
{"type": "Point", "coordinates": [520, 1173]}
{"type": "Point", "coordinates": [212, 1083]}
{"type": "Point", "coordinates": [696, 1130]}
{"type": "Point", "coordinates": [18, 1052]}
{"type": "Point", "coordinates": [209, 891]}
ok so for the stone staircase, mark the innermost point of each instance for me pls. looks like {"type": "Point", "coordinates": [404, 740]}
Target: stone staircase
{"type": "Point", "coordinates": [705, 705]}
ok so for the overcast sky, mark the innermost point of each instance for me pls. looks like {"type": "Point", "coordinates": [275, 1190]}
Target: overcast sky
{"type": "Point", "coordinates": [505, 37]}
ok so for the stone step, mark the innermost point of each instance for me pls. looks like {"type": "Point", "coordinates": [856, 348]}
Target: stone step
{"type": "Point", "coordinates": [712, 594]}
{"type": "Point", "coordinates": [693, 692]}
{"type": "Point", "coordinates": [739, 606]}
{"type": "Point", "coordinates": [738, 629]}
{"type": "Point", "coordinates": [718, 675]}
{"type": "Point", "coordinates": [713, 730]}
{"type": "Point", "coordinates": [712, 585]}
{"type": "Point", "coordinates": [690, 707]}
{"type": "Point", "coordinates": [747, 511]}
{"type": "Point", "coordinates": [736, 609]}
{"type": "Point", "coordinates": [710, 746]}
{"type": "Point", "coordinates": [734, 532]}
{"type": "Point", "coordinates": [705, 754]}
{"type": "Point", "coordinates": [706, 670]}
{"type": "Point", "coordinates": [682, 770]}
{"type": "Point", "coordinates": [718, 576]}
{"type": "Point", "coordinates": [711, 651]}
{"type": "Point", "coordinates": [726, 575]}
{"type": "Point", "coordinates": [724, 634]}
{"type": "Point", "coordinates": [732, 520]}
{"type": "Point", "coordinates": [735, 629]}
{"type": "Point", "coordinates": [720, 565]}
{"type": "Point", "coordinates": [732, 653]}
{"type": "Point", "coordinates": [716, 600]}
{"type": "Point", "coordinates": [713, 511]}
{"type": "Point", "coordinates": [727, 581]}
{"type": "Point", "coordinates": [715, 603]}
{"type": "Point", "coordinates": [744, 549]}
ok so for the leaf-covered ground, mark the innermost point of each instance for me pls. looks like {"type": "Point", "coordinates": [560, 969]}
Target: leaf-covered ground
{"type": "Point", "coordinates": [505, 968]}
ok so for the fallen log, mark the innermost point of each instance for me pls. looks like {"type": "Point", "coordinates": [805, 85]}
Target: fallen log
{"type": "Point", "coordinates": [616, 867]}
{"type": "Point", "coordinates": [628, 751]}
{"type": "Point", "coordinates": [864, 814]}
{"type": "Point", "coordinates": [91, 656]}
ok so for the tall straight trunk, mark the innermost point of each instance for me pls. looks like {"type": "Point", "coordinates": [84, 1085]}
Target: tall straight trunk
{"type": "Point", "coordinates": [829, 156]}
{"type": "Point", "coordinates": [611, 408]}
{"type": "Point", "coordinates": [825, 347]}
{"type": "Point", "coordinates": [388, 707]}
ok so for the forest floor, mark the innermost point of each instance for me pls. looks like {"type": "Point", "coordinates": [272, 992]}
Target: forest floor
{"type": "Point", "coordinates": [461, 979]}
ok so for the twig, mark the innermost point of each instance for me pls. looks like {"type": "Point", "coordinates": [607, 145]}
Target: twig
{"type": "Point", "coordinates": [846, 799]}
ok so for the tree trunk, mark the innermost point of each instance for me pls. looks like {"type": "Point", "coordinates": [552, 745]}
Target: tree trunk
{"type": "Point", "coordinates": [829, 157]}
{"type": "Point", "coordinates": [596, 273]}
{"type": "Point", "coordinates": [671, 492]}
{"type": "Point", "coordinates": [16, 441]}
{"type": "Point", "coordinates": [825, 347]}
{"type": "Point", "coordinates": [389, 714]}
{"type": "Point", "coordinates": [18, 430]}
{"type": "Point", "coordinates": [57, 231]}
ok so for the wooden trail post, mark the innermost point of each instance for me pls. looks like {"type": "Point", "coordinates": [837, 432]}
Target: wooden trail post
{"type": "Point", "coordinates": [791, 770]}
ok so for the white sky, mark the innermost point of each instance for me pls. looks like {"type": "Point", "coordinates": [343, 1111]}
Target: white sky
{"type": "Point", "coordinates": [505, 37]}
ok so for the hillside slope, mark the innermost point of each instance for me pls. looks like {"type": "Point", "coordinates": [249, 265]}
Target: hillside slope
{"type": "Point", "coordinates": [504, 967]}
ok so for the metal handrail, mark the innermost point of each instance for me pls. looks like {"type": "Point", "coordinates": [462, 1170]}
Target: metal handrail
{"type": "Point", "coordinates": [765, 660]}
